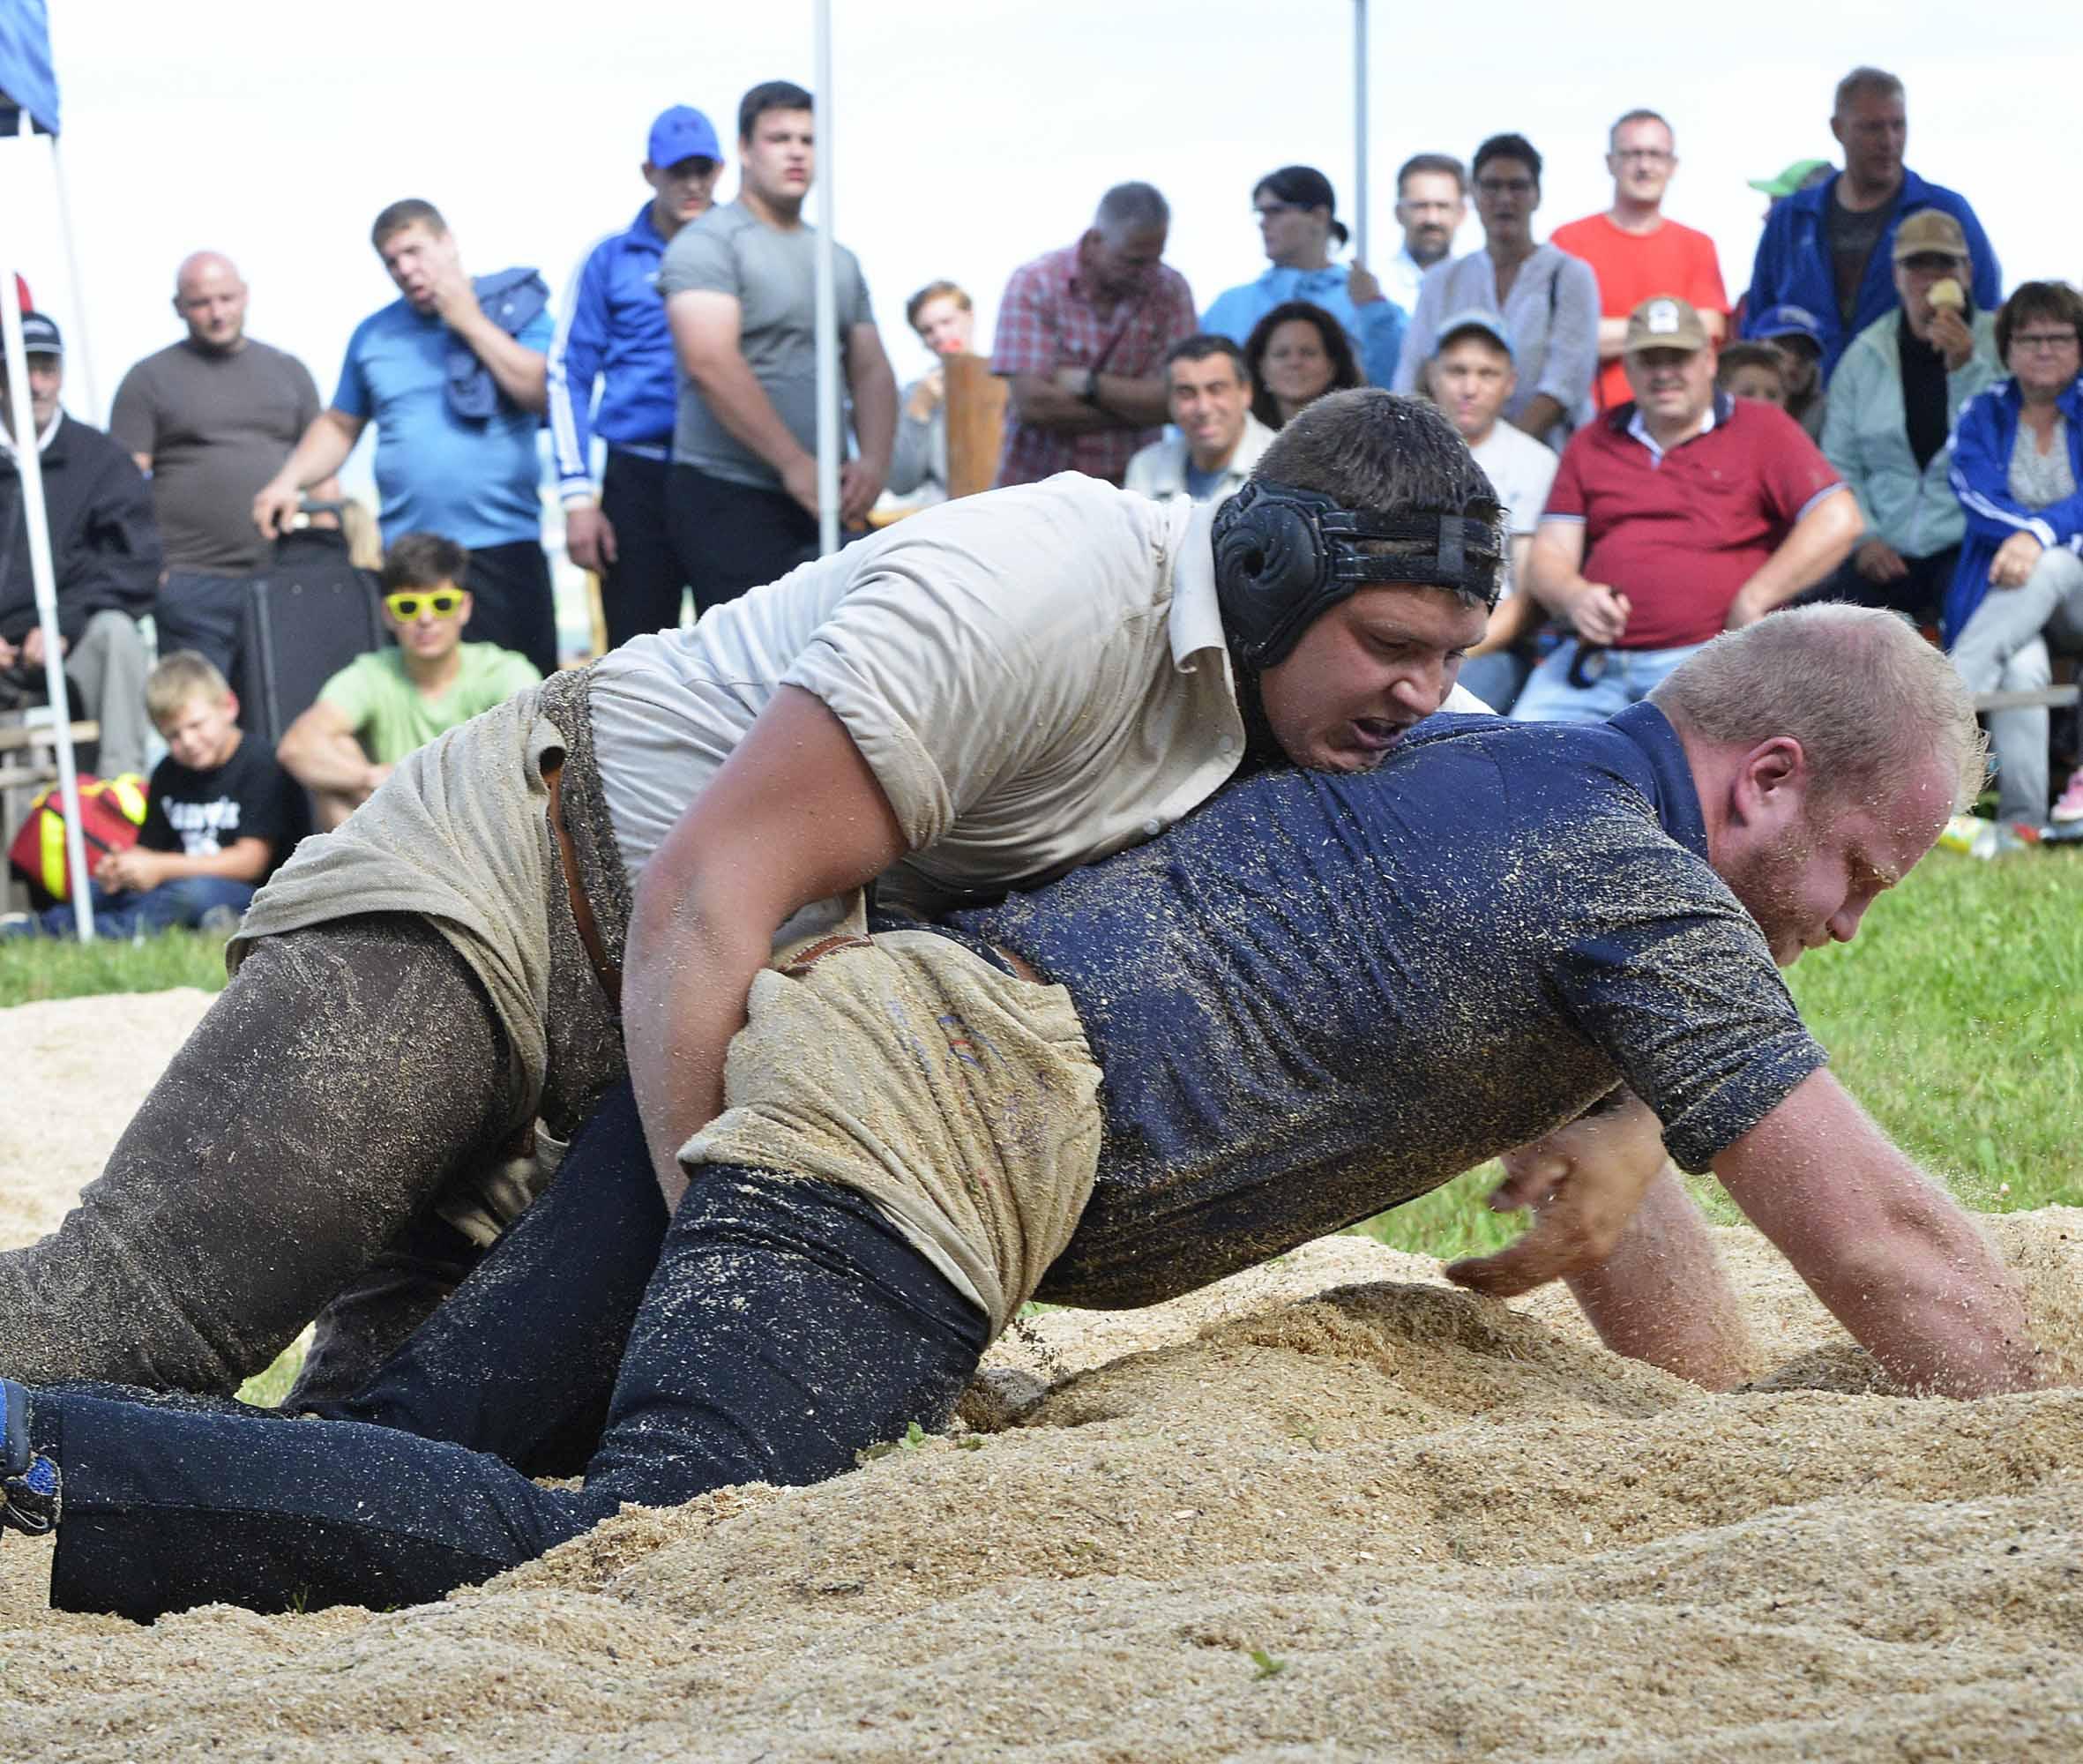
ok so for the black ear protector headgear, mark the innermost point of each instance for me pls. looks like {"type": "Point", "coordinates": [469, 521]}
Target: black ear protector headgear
{"type": "Point", "coordinates": [1283, 556]}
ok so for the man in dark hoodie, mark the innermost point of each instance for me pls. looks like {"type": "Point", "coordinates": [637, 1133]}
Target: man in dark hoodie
{"type": "Point", "coordinates": [104, 552]}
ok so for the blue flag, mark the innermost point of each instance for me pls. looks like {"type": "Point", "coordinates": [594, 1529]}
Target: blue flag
{"type": "Point", "coordinates": [27, 79]}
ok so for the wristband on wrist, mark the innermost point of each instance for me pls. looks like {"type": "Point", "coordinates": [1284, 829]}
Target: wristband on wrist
{"type": "Point", "coordinates": [1091, 394]}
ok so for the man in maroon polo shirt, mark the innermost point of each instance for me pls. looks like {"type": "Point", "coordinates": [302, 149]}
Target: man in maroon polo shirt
{"type": "Point", "coordinates": [1681, 514]}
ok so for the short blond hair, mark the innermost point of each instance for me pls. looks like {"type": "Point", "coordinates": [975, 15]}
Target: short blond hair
{"type": "Point", "coordinates": [1868, 699]}
{"type": "Point", "coordinates": [186, 674]}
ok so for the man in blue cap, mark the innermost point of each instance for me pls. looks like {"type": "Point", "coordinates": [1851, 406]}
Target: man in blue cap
{"type": "Point", "coordinates": [614, 330]}
{"type": "Point", "coordinates": [1797, 335]}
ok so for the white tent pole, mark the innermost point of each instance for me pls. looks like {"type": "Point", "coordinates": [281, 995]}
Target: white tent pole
{"type": "Point", "coordinates": [1358, 131]}
{"type": "Point", "coordinates": [29, 464]}
{"type": "Point", "coordinates": [78, 346]}
{"type": "Point", "coordinates": [829, 440]}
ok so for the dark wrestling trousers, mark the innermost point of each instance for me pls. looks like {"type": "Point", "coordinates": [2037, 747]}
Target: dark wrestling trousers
{"type": "Point", "coordinates": [779, 1328]}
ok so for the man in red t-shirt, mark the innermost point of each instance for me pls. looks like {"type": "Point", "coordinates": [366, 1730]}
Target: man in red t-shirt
{"type": "Point", "coordinates": [1636, 252]}
{"type": "Point", "coordinates": [1672, 519]}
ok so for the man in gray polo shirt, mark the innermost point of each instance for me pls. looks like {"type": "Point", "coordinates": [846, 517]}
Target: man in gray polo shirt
{"type": "Point", "coordinates": [211, 418]}
{"type": "Point", "coordinates": [740, 287]}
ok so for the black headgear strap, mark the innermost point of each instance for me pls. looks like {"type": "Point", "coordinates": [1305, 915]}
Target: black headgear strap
{"type": "Point", "coordinates": [1285, 556]}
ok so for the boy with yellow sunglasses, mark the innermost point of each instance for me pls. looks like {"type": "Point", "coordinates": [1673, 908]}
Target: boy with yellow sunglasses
{"type": "Point", "coordinates": [382, 705]}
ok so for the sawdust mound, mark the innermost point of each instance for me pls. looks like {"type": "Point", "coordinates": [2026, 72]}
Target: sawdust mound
{"type": "Point", "coordinates": [1330, 1508]}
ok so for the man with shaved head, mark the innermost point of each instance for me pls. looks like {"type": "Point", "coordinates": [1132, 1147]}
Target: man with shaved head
{"type": "Point", "coordinates": [212, 418]}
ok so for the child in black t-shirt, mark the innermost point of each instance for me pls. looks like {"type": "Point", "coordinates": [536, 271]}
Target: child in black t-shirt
{"type": "Point", "coordinates": [216, 821]}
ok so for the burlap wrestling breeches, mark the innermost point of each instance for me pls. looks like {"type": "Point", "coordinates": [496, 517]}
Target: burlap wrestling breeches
{"type": "Point", "coordinates": [961, 1099]}
{"type": "Point", "coordinates": [334, 1135]}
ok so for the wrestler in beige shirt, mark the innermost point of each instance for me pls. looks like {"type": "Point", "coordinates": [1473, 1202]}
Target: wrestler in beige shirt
{"type": "Point", "coordinates": [1000, 691]}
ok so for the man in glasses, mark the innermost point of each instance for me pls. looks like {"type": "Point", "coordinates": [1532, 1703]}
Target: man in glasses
{"type": "Point", "coordinates": [1636, 252]}
{"type": "Point", "coordinates": [383, 706]}
{"type": "Point", "coordinates": [614, 332]}
{"type": "Point", "coordinates": [1546, 300]}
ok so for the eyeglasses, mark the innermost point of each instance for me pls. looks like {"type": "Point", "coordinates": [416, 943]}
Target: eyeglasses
{"type": "Point", "coordinates": [1505, 186]}
{"type": "Point", "coordinates": [406, 605]}
{"type": "Point", "coordinates": [2049, 342]}
{"type": "Point", "coordinates": [1653, 155]}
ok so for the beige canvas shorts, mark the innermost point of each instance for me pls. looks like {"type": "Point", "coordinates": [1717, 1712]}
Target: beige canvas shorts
{"type": "Point", "coordinates": [962, 1101]}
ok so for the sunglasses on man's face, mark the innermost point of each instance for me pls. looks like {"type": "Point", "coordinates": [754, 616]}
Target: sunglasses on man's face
{"type": "Point", "coordinates": [441, 603]}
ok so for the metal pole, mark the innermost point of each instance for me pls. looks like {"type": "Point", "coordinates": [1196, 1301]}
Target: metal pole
{"type": "Point", "coordinates": [1360, 130]}
{"type": "Point", "coordinates": [30, 465]}
{"type": "Point", "coordinates": [829, 438]}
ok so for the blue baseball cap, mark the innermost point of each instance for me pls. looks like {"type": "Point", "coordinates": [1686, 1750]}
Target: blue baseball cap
{"type": "Point", "coordinates": [683, 133]}
{"type": "Point", "coordinates": [1788, 321]}
{"type": "Point", "coordinates": [1475, 319]}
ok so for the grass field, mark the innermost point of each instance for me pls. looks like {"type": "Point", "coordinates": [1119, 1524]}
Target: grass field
{"type": "Point", "coordinates": [1957, 1018]}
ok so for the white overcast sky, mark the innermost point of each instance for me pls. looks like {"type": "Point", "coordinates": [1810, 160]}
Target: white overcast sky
{"type": "Point", "coordinates": [962, 139]}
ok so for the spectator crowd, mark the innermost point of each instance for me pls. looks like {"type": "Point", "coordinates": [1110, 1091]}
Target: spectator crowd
{"type": "Point", "coordinates": [1873, 418]}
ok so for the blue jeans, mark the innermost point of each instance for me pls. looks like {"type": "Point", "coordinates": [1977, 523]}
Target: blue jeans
{"type": "Point", "coordinates": [183, 901]}
{"type": "Point", "coordinates": [1613, 680]}
{"type": "Point", "coordinates": [201, 612]}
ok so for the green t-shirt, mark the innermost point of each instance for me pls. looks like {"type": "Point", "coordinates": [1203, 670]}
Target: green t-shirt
{"type": "Point", "coordinates": [391, 717]}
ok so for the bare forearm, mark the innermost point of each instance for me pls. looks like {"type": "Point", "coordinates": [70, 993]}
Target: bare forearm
{"type": "Point", "coordinates": [1041, 404]}
{"type": "Point", "coordinates": [1925, 1295]}
{"type": "Point", "coordinates": [1892, 1255]}
{"type": "Point", "coordinates": [322, 452]}
{"type": "Point", "coordinates": [1612, 334]}
{"type": "Point", "coordinates": [1518, 616]}
{"type": "Point", "coordinates": [522, 373]}
{"type": "Point", "coordinates": [1133, 402]}
{"type": "Point", "coordinates": [685, 982]}
{"type": "Point", "coordinates": [874, 388]}
{"type": "Point", "coordinates": [1553, 579]}
{"type": "Point", "coordinates": [1663, 1297]}
{"type": "Point", "coordinates": [326, 762]}
{"type": "Point", "coordinates": [243, 860]}
{"type": "Point", "coordinates": [737, 401]}
{"type": "Point", "coordinates": [1820, 540]}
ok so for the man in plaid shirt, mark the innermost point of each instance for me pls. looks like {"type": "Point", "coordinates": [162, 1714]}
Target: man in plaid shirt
{"type": "Point", "coordinates": [1082, 335]}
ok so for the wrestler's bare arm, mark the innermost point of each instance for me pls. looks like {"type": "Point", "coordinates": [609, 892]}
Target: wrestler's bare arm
{"type": "Point", "coordinates": [1895, 1258]}
{"type": "Point", "coordinates": [794, 815]}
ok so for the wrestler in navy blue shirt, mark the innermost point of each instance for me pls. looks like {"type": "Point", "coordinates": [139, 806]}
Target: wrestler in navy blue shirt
{"type": "Point", "coordinates": [1289, 993]}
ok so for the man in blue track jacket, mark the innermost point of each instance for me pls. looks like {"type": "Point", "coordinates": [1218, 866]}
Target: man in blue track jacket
{"type": "Point", "coordinates": [615, 331]}
{"type": "Point", "coordinates": [1830, 248]}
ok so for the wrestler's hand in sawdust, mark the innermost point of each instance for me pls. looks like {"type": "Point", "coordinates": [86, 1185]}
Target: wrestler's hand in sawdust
{"type": "Point", "coordinates": [1582, 1183]}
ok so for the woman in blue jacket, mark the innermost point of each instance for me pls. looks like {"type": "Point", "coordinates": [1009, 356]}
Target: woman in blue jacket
{"type": "Point", "coordinates": [2018, 470]}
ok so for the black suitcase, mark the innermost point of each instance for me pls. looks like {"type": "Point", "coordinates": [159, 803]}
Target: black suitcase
{"type": "Point", "coordinates": [308, 615]}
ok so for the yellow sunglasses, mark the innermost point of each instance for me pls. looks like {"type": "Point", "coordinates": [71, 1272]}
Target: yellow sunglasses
{"type": "Point", "coordinates": [406, 605]}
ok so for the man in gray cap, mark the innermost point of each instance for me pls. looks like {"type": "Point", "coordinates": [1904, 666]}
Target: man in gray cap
{"type": "Point", "coordinates": [104, 552]}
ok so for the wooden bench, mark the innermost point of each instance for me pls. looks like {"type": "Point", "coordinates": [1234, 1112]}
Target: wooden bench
{"type": "Point", "coordinates": [29, 763]}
